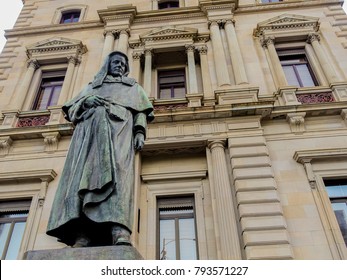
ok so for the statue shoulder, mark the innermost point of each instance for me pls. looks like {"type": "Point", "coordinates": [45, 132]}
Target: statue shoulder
{"type": "Point", "coordinates": [128, 81]}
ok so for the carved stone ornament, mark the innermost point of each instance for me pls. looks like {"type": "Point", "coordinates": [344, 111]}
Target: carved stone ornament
{"type": "Point", "coordinates": [296, 122]}
{"type": "Point", "coordinates": [169, 33]}
{"type": "Point", "coordinates": [56, 45]}
{"type": "Point", "coordinates": [51, 140]}
{"type": "Point", "coordinates": [32, 121]}
{"type": "Point", "coordinates": [5, 144]}
{"type": "Point", "coordinates": [312, 98]}
{"type": "Point", "coordinates": [287, 22]}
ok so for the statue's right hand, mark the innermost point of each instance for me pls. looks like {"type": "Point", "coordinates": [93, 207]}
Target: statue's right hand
{"type": "Point", "coordinates": [93, 101]}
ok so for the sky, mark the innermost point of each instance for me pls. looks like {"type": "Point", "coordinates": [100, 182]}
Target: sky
{"type": "Point", "coordinates": [10, 9]}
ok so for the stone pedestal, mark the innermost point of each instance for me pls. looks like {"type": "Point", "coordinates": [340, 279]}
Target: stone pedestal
{"type": "Point", "coordinates": [86, 253]}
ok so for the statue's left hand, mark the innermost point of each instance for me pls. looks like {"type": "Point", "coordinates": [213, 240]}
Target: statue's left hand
{"type": "Point", "coordinates": [139, 141]}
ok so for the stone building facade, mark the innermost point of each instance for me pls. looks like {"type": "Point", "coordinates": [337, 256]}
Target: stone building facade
{"type": "Point", "coordinates": [247, 156]}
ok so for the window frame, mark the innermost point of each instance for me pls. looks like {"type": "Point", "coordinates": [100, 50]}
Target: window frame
{"type": "Point", "coordinates": [72, 14]}
{"type": "Point", "coordinates": [176, 218]}
{"type": "Point", "coordinates": [57, 17]}
{"type": "Point", "coordinates": [171, 69]}
{"type": "Point", "coordinates": [46, 77]}
{"type": "Point", "coordinates": [24, 208]}
{"type": "Point", "coordinates": [301, 53]}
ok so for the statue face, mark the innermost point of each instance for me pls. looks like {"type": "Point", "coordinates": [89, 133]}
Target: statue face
{"type": "Point", "coordinates": [117, 66]}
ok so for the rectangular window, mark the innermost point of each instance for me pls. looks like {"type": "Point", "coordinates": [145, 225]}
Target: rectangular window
{"type": "Point", "coordinates": [296, 68]}
{"type": "Point", "coordinates": [70, 16]}
{"type": "Point", "coordinates": [172, 84]}
{"type": "Point", "coordinates": [167, 4]}
{"type": "Point", "coordinates": [177, 233]}
{"type": "Point", "coordinates": [49, 91]}
{"type": "Point", "coordinates": [337, 191]}
{"type": "Point", "coordinates": [13, 216]}
{"type": "Point", "coordinates": [270, 1]}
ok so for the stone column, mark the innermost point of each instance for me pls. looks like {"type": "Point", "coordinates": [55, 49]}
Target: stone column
{"type": "Point", "coordinates": [229, 237]}
{"type": "Point", "coordinates": [123, 41]}
{"type": "Point", "coordinates": [108, 44]}
{"type": "Point", "coordinates": [205, 70]}
{"type": "Point", "coordinates": [330, 73]}
{"type": "Point", "coordinates": [72, 62]}
{"type": "Point", "coordinates": [235, 54]}
{"type": "Point", "coordinates": [193, 84]}
{"type": "Point", "coordinates": [268, 43]}
{"type": "Point", "coordinates": [147, 82]}
{"type": "Point", "coordinates": [219, 56]}
{"type": "Point", "coordinates": [136, 69]}
{"type": "Point", "coordinates": [24, 87]}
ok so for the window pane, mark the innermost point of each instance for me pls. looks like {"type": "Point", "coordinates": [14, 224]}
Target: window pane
{"type": "Point", "coordinates": [171, 80]}
{"type": "Point", "coordinates": [290, 76]}
{"type": "Point", "coordinates": [179, 92]}
{"type": "Point", "coordinates": [16, 239]}
{"type": "Point", "coordinates": [44, 98]}
{"type": "Point", "coordinates": [165, 93]}
{"type": "Point", "coordinates": [340, 209]}
{"type": "Point", "coordinates": [337, 191]}
{"type": "Point", "coordinates": [4, 230]}
{"type": "Point", "coordinates": [187, 239]}
{"type": "Point", "coordinates": [305, 75]}
{"type": "Point", "coordinates": [167, 240]}
{"type": "Point", "coordinates": [55, 96]}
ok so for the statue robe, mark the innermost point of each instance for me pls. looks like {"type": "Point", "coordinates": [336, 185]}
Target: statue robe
{"type": "Point", "coordinates": [95, 190]}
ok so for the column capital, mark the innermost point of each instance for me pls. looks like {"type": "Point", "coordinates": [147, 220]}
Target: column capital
{"type": "Point", "coordinates": [137, 55]}
{"type": "Point", "coordinates": [312, 37]}
{"type": "Point", "coordinates": [202, 50]}
{"type": "Point", "coordinates": [220, 23]}
{"type": "Point", "coordinates": [148, 52]}
{"type": "Point", "coordinates": [124, 31]}
{"type": "Point", "coordinates": [230, 21]}
{"type": "Point", "coordinates": [73, 60]}
{"type": "Point", "coordinates": [33, 63]}
{"type": "Point", "coordinates": [190, 48]}
{"type": "Point", "coordinates": [220, 143]}
{"type": "Point", "coordinates": [266, 41]}
{"type": "Point", "coordinates": [110, 33]}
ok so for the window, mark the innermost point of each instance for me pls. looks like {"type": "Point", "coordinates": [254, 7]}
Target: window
{"type": "Point", "coordinates": [168, 4]}
{"type": "Point", "coordinates": [171, 84]}
{"type": "Point", "coordinates": [270, 1]}
{"type": "Point", "coordinates": [337, 192]}
{"type": "Point", "coordinates": [49, 91]}
{"type": "Point", "coordinates": [13, 216]}
{"type": "Point", "coordinates": [70, 16]}
{"type": "Point", "coordinates": [296, 68]}
{"type": "Point", "coordinates": [177, 234]}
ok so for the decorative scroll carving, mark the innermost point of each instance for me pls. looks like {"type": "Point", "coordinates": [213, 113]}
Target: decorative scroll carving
{"type": "Point", "coordinates": [323, 97]}
{"type": "Point", "coordinates": [5, 144]}
{"type": "Point", "coordinates": [313, 37]}
{"type": "Point", "coordinates": [33, 121]}
{"type": "Point", "coordinates": [33, 63]}
{"type": "Point", "coordinates": [296, 122]}
{"type": "Point", "coordinates": [202, 50]}
{"type": "Point", "coordinates": [266, 41]}
{"type": "Point", "coordinates": [158, 108]}
{"type": "Point", "coordinates": [51, 140]}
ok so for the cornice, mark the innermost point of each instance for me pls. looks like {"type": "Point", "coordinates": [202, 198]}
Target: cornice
{"type": "Point", "coordinates": [306, 156]}
{"type": "Point", "coordinates": [38, 30]}
{"type": "Point", "coordinates": [118, 12]}
{"type": "Point", "coordinates": [170, 14]}
{"type": "Point", "coordinates": [45, 175]}
{"type": "Point", "coordinates": [284, 5]}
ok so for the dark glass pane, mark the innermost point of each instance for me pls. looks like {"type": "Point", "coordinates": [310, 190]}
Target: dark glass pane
{"type": "Point", "coordinates": [168, 4]}
{"type": "Point", "coordinates": [167, 240]}
{"type": "Point", "coordinates": [15, 242]}
{"type": "Point", "coordinates": [44, 98]}
{"type": "Point", "coordinates": [70, 17]}
{"type": "Point", "coordinates": [171, 80]}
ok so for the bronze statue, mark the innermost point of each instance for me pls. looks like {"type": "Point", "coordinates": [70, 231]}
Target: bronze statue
{"type": "Point", "coordinates": [93, 205]}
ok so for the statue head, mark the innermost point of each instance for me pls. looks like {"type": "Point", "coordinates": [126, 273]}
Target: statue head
{"type": "Point", "coordinates": [115, 64]}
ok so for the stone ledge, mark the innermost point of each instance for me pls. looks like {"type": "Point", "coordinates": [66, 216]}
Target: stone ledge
{"type": "Point", "coordinates": [87, 253]}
